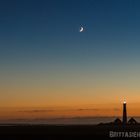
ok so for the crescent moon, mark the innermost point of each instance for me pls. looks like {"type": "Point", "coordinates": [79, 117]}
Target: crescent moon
{"type": "Point", "coordinates": [81, 29]}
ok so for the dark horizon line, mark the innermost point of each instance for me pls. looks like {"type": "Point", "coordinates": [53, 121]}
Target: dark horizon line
{"type": "Point", "coordinates": [77, 117]}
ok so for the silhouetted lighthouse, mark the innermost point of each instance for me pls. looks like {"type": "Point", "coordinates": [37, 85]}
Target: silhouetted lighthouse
{"type": "Point", "coordinates": [124, 119]}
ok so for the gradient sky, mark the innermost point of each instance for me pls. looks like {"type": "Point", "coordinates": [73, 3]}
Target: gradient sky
{"type": "Point", "coordinates": [46, 62]}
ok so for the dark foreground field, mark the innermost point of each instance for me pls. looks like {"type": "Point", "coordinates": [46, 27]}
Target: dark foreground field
{"type": "Point", "coordinates": [55, 132]}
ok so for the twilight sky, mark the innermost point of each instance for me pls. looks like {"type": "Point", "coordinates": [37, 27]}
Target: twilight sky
{"type": "Point", "coordinates": [46, 62]}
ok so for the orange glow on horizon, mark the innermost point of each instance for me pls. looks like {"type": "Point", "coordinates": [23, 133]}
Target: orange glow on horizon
{"type": "Point", "coordinates": [96, 110]}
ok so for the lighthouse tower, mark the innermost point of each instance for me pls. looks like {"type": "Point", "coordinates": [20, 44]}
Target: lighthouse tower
{"type": "Point", "coordinates": [124, 119]}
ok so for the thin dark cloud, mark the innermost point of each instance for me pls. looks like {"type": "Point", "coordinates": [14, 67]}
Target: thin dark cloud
{"type": "Point", "coordinates": [52, 110]}
{"type": "Point", "coordinates": [37, 110]}
{"type": "Point", "coordinates": [88, 109]}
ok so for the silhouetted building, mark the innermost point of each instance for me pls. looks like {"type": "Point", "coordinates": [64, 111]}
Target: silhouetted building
{"type": "Point", "coordinates": [117, 121]}
{"type": "Point", "coordinates": [124, 119]}
{"type": "Point", "coordinates": [132, 121]}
